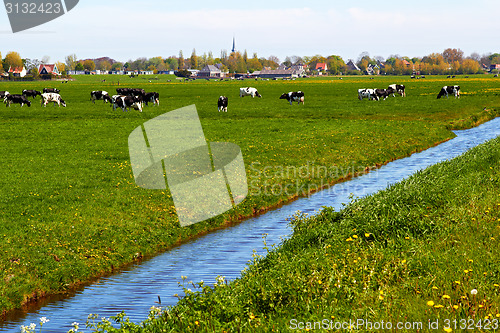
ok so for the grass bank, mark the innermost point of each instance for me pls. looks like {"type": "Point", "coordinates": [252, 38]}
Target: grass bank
{"type": "Point", "coordinates": [422, 252]}
{"type": "Point", "coordinates": [69, 207]}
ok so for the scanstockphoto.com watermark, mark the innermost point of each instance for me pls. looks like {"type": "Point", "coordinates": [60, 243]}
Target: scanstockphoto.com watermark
{"type": "Point", "coordinates": [26, 14]}
{"type": "Point", "coordinates": [303, 180]}
{"type": "Point", "coordinates": [438, 324]}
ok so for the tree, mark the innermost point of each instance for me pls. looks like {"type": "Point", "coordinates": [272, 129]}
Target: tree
{"type": "Point", "coordinates": [117, 66]}
{"type": "Point", "coordinates": [451, 55]}
{"type": "Point", "coordinates": [181, 60]}
{"type": "Point", "coordinates": [45, 59]}
{"type": "Point", "coordinates": [13, 59]}
{"type": "Point", "coordinates": [104, 65]}
{"type": "Point", "coordinates": [470, 66]}
{"type": "Point", "coordinates": [79, 67]}
{"type": "Point", "coordinates": [89, 64]}
{"type": "Point", "coordinates": [60, 66]}
{"type": "Point", "coordinates": [31, 63]}
{"type": "Point", "coordinates": [34, 71]}
{"type": "Point", "coordinates": [194, 60]}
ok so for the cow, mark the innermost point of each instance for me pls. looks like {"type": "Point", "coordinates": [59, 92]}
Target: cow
{"type": "Point", "coordinates": [249, 91]}
{"type": "Point", "coordinates": [31, 93]}
{"type": "Point", "coordinates": [52, 97]}
{"type": "Point", "coordinates": [152, 97]}
{"type": "Point", "coordinates": [367, 93]}
{"type": "Point", "coordinates": [131, 91]}
{"type": "Point", "coordinates": [455, 90]}
{"type": "Point", "coordinates": [397, 88]}
{"type": "Point", "coordinates": [293, 96]}
{"type": "Point", "coordinates": [16, 98]}
{"type": "Point", "coordinates": [3, 94]}
{"type": "Point", "coordinates": [382, 93]}
{"type": "Point", "coordinates": [51, 90]}
{"type": "Point", "coordinates": [100, 94]}
{"type": "Point", "coordinates": [125, 102]}
{"type": "Point", "coordinates": [222, 104]}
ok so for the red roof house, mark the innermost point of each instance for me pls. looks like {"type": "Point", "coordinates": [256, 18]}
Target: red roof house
{"type": "Point", "coordinates": [48, 69]}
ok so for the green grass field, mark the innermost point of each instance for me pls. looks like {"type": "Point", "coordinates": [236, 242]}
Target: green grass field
{"type": "Point", "coordinates": [70, 210]}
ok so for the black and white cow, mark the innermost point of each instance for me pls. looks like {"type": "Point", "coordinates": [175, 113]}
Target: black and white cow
{"type": "Point", "coordinates": [367, 93]}
{"type": "Point", "coordinates": [124, 102]}
{"type": "Point", "coordinates": [397, 88]}
{"type": "Point", "coordinates": [293, 96]}
{"type": "Point", "coordinates": [51, 90]}
{"type": "Point", "coordinates": [31, 93]}
{"type": "Point", "coordinates": [455, 90]}
{"type": "Point", "coordinates": [222, 104]}
{"type": "Point", "coordinates": [16, 98]}
{"type": "Point", "coordinates": [98, 95]}
{"type": "Point", "coordinates": [52, 97]}
{"type": "Point", "coordinates": [381, 93]}
{"type": "Point", "coordinates": [152, 97]}
{"type": "Point", "coordinates": [249, 91]}
{"type": "Point", "coordinates": [3, 94]}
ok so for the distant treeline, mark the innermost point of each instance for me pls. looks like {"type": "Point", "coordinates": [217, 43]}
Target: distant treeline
{"type": "Point", "coordinates": [450, 61]}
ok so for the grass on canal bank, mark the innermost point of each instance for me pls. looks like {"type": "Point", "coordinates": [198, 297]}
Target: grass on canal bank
{"type": "Point", "coordinates": [70, 210]}
{"type": "Point", "coordinates": [423, 249]}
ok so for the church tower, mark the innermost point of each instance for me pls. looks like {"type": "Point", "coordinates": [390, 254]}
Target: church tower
{"type": "Point", "coordinates": [234, 46]}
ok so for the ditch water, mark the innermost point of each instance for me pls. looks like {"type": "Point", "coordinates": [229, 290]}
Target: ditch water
{"type": "Point", "coordinates": [224, 252]}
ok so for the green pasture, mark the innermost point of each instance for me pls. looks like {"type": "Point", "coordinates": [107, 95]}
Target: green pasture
{"type": "Point", "coordinates": [70, 210]}
{"type": "Point", "coordinates": [420, 256]}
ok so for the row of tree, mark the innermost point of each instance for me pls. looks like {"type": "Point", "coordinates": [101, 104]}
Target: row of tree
{"type": "Point", "coordinates": [450, 61]}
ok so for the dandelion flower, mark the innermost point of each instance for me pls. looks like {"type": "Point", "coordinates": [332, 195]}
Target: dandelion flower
{"type": "Point", "coordinates": [455, 307]}
{"type": "Point", "coordinates": [367, 235]}
{"type": "Point", "coordinates": [446, 297]}
{"type": "Point", "coordinates": [434, 287]}
{"type": "Point", "coordinates": [430, 303]}
{"type": "Point", "coordinates": [448, 329]}
{"type": "Point", "coordinates": [438, 306]}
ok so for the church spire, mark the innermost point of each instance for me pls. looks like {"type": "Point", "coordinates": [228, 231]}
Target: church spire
{"type": "Point", "coordinates": [234, 46]}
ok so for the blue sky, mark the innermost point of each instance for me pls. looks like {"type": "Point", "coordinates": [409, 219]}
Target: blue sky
{"type": "Point", "coordinates": [127, 29]}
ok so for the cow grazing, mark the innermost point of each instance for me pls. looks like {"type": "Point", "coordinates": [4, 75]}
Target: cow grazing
{"type": "Point", "coordinates": [131, 91]}
{"type": "Point", "coordinates": [249, 91]}
{"type": "Point", "coordinates": [152, 97]}
{"type": "Point", "coordinates": [98, 95]}
{"type": "Point", "coordinates": [397, 88]}
{"type": "Point", "coordinates": [16, 98]}
{"type": "Point", "coordinates": [51, 90]}
{"type": "Point", "coordinates": [52, 97]}
{"type": "Point", "coordinates": [31, 93]}
{"type": "Point", "coordinates": [222, 104]}
{"type": "Point", "coordinates": [367, 93]}
{"type": "Point", "coordinates": [381, 93]}
{"type": "Point", "coordinates": [293, 96]}
{"type": "Point", "coordinates": [3, 94]}
{"type": "Point", "coordinates": [455, 90]}
{"type": "Point", "coordinates": [124, 102]}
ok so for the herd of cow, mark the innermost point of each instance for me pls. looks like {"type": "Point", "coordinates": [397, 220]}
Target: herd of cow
{"type": "Point", "coordinates": [377, 94]}
{"type": "Point", "coordinates": [292, 96]}
{"type": "Point", "coordinates": [48, 95]}
{"type": "Point", "coordinates": [127, 98]}
{"type": "Point", "coordinates": [134, 98]}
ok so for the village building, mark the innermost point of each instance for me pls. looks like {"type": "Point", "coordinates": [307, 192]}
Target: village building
{"type": "Point", "coordinates": [210, 71]}
{"type": "Point", "coordinates": [321, 67]}
{"type": "Point", "coordinates": [48, 69]}
{"type": "Point", "coordinates": [17, 71]}
{"type": "Point", "coordinates": [352, 66]}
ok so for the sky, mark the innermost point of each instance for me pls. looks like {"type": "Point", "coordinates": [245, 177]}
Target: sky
{"type": "Point", "coordinates": [125, 30]}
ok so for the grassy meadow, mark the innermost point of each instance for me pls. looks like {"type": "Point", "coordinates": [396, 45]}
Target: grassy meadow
{"type": "Point", "coordinates": [420, 256]}
{"type": "Point", "coordinates": [70, 210]}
